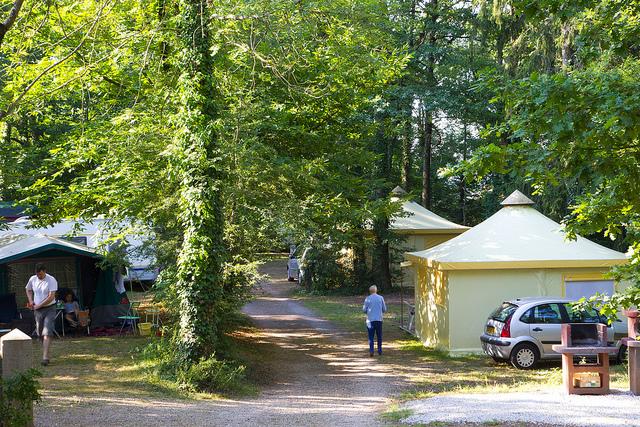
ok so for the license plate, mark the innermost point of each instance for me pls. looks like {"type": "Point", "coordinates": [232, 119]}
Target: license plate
{"type": "Point", "coordinates": [491, 330]}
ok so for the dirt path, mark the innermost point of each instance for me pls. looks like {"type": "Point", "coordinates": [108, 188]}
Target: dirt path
{"type": "Point", "coordinates": [314, 374]}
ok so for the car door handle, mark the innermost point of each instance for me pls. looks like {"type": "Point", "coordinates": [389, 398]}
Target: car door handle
{"type": "Point", "coordinates": [537, 329]}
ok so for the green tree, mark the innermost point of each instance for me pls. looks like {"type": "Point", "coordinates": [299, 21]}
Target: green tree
{"type": "Point", "coordinates": [202, 253]}
{"type": "Point", "coordinates": [571, 128]}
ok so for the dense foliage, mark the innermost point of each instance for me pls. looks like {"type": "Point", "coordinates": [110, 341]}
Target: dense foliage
{"type": "Point", "coordinates": [227, 129]}
{"type": "Point", "coordinates": [17, 395]}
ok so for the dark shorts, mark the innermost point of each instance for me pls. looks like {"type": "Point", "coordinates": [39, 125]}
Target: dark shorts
{"type": "Point", "coordinates": [45, 318]}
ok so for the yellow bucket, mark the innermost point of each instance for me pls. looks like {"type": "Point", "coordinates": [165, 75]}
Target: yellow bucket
{"type": "Point", "coordinates": [145, 329]}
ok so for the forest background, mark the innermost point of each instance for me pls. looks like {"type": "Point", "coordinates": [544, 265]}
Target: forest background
{"type": "Point", "coordinates": [227, 129]}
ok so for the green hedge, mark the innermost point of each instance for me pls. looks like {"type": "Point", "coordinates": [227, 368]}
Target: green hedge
{"type": "Point", "coordinates": [17, 395]}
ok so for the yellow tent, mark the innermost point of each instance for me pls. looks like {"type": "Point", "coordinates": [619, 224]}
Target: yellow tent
{"type": "Point", "coordinates": [420, 229]}
{"type": "Point", "coordinates": [517, 252]}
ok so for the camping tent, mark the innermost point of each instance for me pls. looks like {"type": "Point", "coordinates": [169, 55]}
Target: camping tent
{"type": "Point", "coordinates": [73, 265]}
{"type": "Point", "coordinates": [419, 229]}
{"type": "Point", "coordinates": [517, 252]}
{"type": "Point", "coordinates": [93, 233]}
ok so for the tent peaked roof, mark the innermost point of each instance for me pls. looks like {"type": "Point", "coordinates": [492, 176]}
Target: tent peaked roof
{"type": "Point", "coordinates": [398, 191]}
{"type": "Point", "coordinates": [17, 246]}
{"type": "Point", "coordinates": [517, 198]}
{"type": "Point", "coordinates": [418, 219]}
{"type": "Point", "coordinates": [518, 236]}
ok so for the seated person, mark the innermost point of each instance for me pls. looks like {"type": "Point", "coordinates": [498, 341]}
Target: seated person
{"type": "Point", "coordinates": [71, 310]}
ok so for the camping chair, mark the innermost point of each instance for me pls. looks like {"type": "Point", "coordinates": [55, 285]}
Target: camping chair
{"type": "Point", "coordinates": [11, 317]}
{"type": "Point", "coordinates": [131, 317]}
{"type": "Point", "coordinates": [153, 312]}
{"type": "Point", "coordinates": [84, 320]}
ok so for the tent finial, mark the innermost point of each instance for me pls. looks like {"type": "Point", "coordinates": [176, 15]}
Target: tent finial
{"type": "Point", "coordinates": [398, 192]}
{"type": "Point", "coordinates": [517, 199]}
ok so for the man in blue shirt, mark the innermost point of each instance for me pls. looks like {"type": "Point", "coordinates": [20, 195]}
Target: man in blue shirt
{"type": "Point", "coordinates": [374, 306]}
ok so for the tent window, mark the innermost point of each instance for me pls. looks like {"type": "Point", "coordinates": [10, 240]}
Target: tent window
{"type": "Point", "coordinates": [18, 274]}
{"type": "Point", "coordinates": [586, 288]}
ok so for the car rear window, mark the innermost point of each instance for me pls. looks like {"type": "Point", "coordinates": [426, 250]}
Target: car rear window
{"type": "Point", "coordinates": [503, 312]}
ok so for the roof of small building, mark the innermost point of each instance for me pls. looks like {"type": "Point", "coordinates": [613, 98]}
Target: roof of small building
{"type": "Point", "coordinates": [17, 246]}
{"type": "Point", "coordinates": [418, 219]}
{"type": "Point", "coordinates": [518, 236]}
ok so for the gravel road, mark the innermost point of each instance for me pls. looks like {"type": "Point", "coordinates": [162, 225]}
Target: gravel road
{"type": "Point", "coordinates": [548, 407]}
{"type": "Point", "coordinates": [315, 375]}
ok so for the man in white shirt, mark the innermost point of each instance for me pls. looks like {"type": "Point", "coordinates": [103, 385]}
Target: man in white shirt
{"type": "Point", "coordinates": [41, 292]}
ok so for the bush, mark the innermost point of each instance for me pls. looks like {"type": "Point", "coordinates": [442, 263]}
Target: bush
{"type": "Point", "coordinates": [215, 372]}
{"type": "Point", "coordinates": [212, 375]}
{"type": "Point", "coordinates": [16, 397]}
{"type": "Point", "coordinates": [324, 273]}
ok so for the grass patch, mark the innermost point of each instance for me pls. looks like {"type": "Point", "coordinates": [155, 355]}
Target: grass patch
{"type": "Point", "coordinates": [480, 374]}
{"type": "Point", "coordinates": [105, 366]}
{"type": "Point", "coordinates": [347, 315]}
{"type": "Point", "coordinates": [439, 371]}
{"type": "Point", "coordinates": [414, 346]}
{"type": "Point", "coordinates": [113, 367]}
{"type": "Point", "coordinates": [346, 312]}
{"type": "Point", "coordinates": [396, 414]}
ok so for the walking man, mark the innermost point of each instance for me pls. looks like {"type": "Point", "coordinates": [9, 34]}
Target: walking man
{"type": "Point", "coordinates": [41, 292]}
{"type": "Point", "coordinates": [374, 306]}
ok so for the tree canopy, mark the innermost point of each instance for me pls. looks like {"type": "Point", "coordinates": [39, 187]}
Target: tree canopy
{"type": "Point", "coordinates": [227, 129]}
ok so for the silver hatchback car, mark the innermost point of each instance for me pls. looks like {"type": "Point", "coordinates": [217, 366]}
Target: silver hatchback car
{"type": "Point", "coordinates": [523, 330]}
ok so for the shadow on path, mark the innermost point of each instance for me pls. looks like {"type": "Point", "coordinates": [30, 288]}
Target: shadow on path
{"type": "Point", "coordinates": [313, 374]}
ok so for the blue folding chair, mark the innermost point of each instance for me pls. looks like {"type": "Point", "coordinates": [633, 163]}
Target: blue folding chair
{"type": "Point", "coordinates": [131, 318]}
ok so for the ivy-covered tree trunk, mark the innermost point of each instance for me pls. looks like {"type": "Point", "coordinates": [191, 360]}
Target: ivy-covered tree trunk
{"type": "Point", "coordinates": [201, 259]}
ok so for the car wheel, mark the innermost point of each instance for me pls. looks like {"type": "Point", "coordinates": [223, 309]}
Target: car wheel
{"type": "Point", "coordinates": [524, 356]}
{"type": "Point", "coordinates": [499, 359]}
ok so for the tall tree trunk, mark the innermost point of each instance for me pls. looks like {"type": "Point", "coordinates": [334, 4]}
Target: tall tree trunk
{"type": "Point", "coordinates": [462, 192]}
{"type": "Point", "coordinates": [427, 145]}
{"type": "Point", "coordinates": [407, 137]}
{"type": "Point", "coordinates": [427, 125]}
{"type": "Point", "coordinates": [407, 140]}
{"type": "Point", "coordinates": [4, 173]}
{"type": "Point", "coordinates": [383, 281]}
{"type": "Point", "coordinates": [567, 45]}
{"type": "Point", "coordinates": [500, 42]}
{"type": "Point", "coordinates": [360, 269]}
{"type": "Point", "coordinates": [201, 258]}
{"type": "Point", "coordinates": [381, 222]}
{"type": "Point", "coordinates": [164, 45]}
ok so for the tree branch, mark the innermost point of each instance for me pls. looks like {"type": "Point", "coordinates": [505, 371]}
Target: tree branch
{"type": "Point", "coordinates": [11, 19]}
{"type": "Point", "coordinates": [12, 106]}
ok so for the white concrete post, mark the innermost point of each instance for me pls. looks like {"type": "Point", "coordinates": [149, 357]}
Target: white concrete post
{"type": "Point", "coordinates": [16, 353]}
